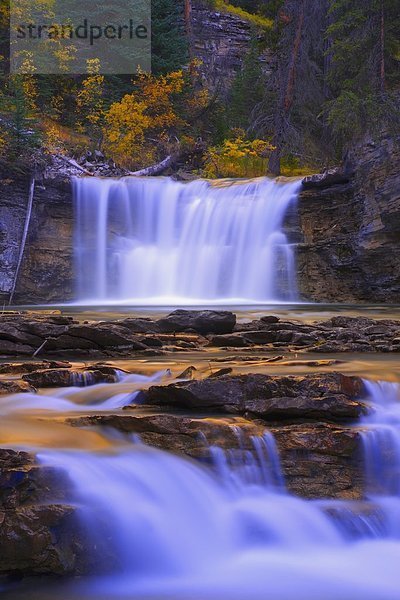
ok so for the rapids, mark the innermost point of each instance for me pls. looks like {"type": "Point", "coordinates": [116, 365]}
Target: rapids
{"type": "Point", "coordinates": [177, 529]}
{"type": "Point", "coordinates": [140, 240]}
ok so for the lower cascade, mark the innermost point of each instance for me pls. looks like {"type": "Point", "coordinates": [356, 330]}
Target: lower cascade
{"type": "Point", "coordinates": [141, 240]}
{"type": "Point", "coordinates": [161, 526]}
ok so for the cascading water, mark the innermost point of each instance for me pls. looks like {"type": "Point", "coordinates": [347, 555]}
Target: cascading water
{"type": "Point", "coordinates": [381, 442]}
{"type": "Point", "coordinates": [158, 241]}
{"type": "Point", "coordinates": [176, 529]}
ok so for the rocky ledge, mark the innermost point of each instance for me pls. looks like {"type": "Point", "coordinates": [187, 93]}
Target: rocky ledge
{"type": "Point", "coordinates": [57, 336]}
{"type": "Point", "coordinates": [329, 397]}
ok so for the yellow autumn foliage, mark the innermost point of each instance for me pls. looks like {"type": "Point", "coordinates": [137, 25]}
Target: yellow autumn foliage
{"type": "Point", "coordinates": [148, 112]}
{"type": "Point", "coordinates": [90, 98]}
{"type": "Point", "coordinates": [3, 144]}
{"type": "Point", "coordinates": [237, 157]}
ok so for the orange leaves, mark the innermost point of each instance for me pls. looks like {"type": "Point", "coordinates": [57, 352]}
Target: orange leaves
{"type": "Point", "coordinates": [148, 111]}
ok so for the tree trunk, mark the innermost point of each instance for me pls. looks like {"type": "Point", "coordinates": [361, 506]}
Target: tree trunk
{"type": "Point", "coordinates": [24, 237]}
{"type": "Point", "coordinates": [293, 60]}
{"type": "Point", "coordinates": [188, 26]}
{"type": "Point", "coordinates": [156, 169]}
{"type": "Point", "coordinates": [286, 98]}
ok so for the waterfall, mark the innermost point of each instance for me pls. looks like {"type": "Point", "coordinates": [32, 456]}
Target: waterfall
{"type": "Point", "coordinates": [381, 442]}
{"type": "Point", "coordinates": [158, 241]}
{"type": "Point", "coordinates": [174, 529]}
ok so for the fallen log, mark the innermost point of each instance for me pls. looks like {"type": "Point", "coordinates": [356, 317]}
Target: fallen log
{"type": "Point", "coordinates": [156, 169]}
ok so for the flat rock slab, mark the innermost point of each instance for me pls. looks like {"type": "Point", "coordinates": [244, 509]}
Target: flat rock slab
{"type": "Point", "coordinates": [203, 322]}
{"type": "Point", "coordinates": [28, 367]}
{"type": "Point", "coordinates": [328, 396]}
{"type": "Point", "coordinates": [54, 378]}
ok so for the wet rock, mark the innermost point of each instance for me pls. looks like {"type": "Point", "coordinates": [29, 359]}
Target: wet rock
{"type": "Point", "coordinates": [335, 176]}
{"type": "Point", "coordinates": [268, 319]}
{"type": "Point", "coordinates": [105, 335]}
{"type": "Point", "coordinates": [203, 322]}
{"type": "Point", "coordinates": [181, 434]}
{"type": "Point", "coordinates": [15, 387]}
{"type": "Point", "coordinates": [38, 531]}
{"type": "Point", "coordinates": [110, 338]}
{"type": "Point", "coordinates": [329, 396]}
{"type": "Point", "coordinates": [67, 377]}
{"type": "Point", "coordinates": [140, 325]}
{"type": "Point", "coordinates": [37, 539]}
{"type": "Point", "coordinates": [349, 322]}
{"type": "Point", "coordinates": [319, 460]}
{"type": "Point", "coordinates": [312, 363]}
{"type": "Point", "coordinates": [350, 250]}
{"type": "Point", "coordinates": [233, 340]}
{"type": "Point", "coordinates": [220, 373]}
{"type": "Point", "coordinates": [8, 348]}
{"type": "Point", "coordinates": [261, 337]}
{"type": "Point", "coordinates": [187, 373]}
{"type": "Point", "coordinates": [28, 367]}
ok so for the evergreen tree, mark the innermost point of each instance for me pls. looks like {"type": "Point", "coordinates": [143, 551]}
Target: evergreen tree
{"type": "Point", "coordinates": [364, 66]}
{"type": "Point", "coordinates": [250, 77]}
{"type": "Point", "coordinates": [169, 41]}
{"type": "Point", "coordinates": [290, 112]}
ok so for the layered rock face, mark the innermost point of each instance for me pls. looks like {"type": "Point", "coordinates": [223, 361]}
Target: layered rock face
{"type": "Point", "coordinates": [351, 230]}
{"type": "Point", "coordinates": [221, 41]}
{"type": "Point", "coordinates": [46, 273]}
{"type": "Point", "coordinates": [38, 531]}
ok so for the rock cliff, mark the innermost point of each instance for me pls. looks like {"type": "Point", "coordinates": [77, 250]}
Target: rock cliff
{"type": "Point", "coordinates": [46, 273]}
{"type": "Point", "coordinates": [351, 231]}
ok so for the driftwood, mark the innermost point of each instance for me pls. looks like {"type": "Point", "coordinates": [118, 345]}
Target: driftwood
{"type": "Point", "coordinates": [23, 239]}
{"type": "Point", "coordinates": [154, 169]}
{"type": "Point", "coordinates": [74, 164]}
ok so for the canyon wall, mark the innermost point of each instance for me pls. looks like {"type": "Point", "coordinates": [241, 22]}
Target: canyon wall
{"type": "Point", "coordinates": [350, 250]}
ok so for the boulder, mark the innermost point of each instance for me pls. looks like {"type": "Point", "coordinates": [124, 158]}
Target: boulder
{"type": "Point", "coordinates": [140, 325]}
{"type": "Point", "coordinates": [38, 531]}
{"type": "Point", "coordinates": [204, 322]}
{"type": "Point", "coordinates": [15, 387]}
{"type": "Point", "coordinates": [321, 460]}
{"type": "Point", "coordinates": [335, 176]}
{"type": "Point", "coordinates": [37, 539]}
{"type": "Point", "coordinates": [14, 332]}
{"type": "Point", "coordinates": [232, 340]}
{"type": "Point", "coordinates": [28, 367]}
{"type": "Point", "coordinates": [327, 396]}
{"type": "Point", "coordinates": [8, 348]}
{"type": "Point", "coordinates": [105, 335]}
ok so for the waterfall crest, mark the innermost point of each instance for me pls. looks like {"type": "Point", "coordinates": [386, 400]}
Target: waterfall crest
{"type": "Point", "coordinates": [158, 241]}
